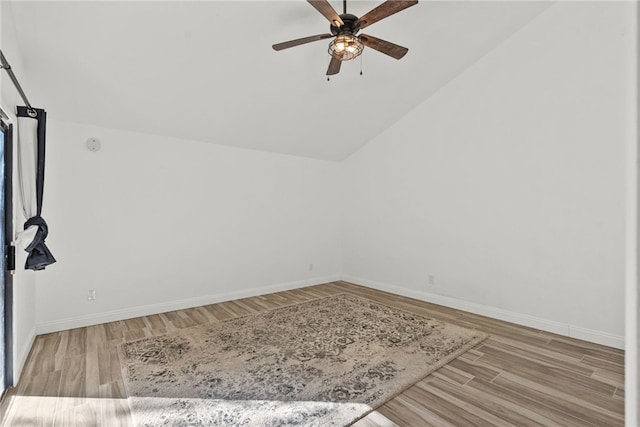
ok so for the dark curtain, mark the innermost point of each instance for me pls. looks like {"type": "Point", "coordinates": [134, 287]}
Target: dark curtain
{"type": "Point", "coordinates": [39, 255]}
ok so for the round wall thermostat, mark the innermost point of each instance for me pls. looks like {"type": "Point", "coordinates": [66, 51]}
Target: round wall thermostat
{"type": "Point", "coordinates": [93, 144]}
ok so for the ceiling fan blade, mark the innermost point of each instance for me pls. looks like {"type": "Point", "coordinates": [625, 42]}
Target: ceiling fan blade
{"type": "Point", "coordinates": [387, 8]}
{"type": "Point", "coordinates": [298, 42]}
{"type": "Point", "coordinates": [334, 66]}
{"type": "Point", "coordinates": [388, 48]}
{"type": "Point", "coordinates": [327, 11]}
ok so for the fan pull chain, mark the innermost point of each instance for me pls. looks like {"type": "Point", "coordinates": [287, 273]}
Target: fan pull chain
{"type": "Point", "coordinates": [361, 64]}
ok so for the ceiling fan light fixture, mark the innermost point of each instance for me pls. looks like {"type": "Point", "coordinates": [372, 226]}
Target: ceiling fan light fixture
{"type": "Point", "coordinates": [345, 47]}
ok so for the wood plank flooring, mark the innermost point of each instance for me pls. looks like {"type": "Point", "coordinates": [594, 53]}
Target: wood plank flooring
{"type": "Point", "coordinates": [518, 376]}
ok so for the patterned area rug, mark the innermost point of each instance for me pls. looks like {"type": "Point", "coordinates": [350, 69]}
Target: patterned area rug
{"type": "Point", "coordinates": [326, 362]}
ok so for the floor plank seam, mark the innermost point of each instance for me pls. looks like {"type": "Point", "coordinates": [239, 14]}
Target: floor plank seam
{"type": "Point", "coordinates": [494, 378]}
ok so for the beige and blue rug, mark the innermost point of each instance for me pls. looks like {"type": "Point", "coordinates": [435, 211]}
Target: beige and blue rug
{"type": "Point", "coordinates": [326, 362]}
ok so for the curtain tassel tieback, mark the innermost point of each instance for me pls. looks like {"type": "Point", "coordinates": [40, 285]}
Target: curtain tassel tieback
{"type": "Point", "coordinates": [39, 255]}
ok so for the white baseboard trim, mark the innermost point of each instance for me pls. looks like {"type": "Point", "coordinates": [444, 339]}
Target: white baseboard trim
{"type": "Point", "coordinates": [132, 312]}
{"type": "Point", "coordinates": [559, 328]}
{"type": "Point", "coordinates": [20, 356]}
{"type": "Point", "coordinates": [321, 280]}
{"type": "Point", "coordinates": [598, 337]}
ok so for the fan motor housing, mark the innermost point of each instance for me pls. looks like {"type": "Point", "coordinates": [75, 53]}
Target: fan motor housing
{"type": "Point", "coordinates": [348, 27]}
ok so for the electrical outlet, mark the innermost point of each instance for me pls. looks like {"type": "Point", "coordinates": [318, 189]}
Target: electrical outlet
{"type": "Point", "coordinates": [91, 295]}
{"type": "Point", "coordinates": [432, 279]}
{"type": "Point", "coordinates": [310, 267]}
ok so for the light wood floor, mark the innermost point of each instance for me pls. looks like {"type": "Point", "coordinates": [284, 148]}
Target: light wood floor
{"type": "Point", "coordinates": [518, 376]}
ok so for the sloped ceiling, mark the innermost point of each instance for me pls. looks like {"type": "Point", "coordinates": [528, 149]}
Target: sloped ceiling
{"type": "Point", "coordinates": [205, 70]}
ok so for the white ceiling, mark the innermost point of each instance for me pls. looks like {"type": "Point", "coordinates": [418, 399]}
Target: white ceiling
{"type": "Point", "coordinates": [205, 70]}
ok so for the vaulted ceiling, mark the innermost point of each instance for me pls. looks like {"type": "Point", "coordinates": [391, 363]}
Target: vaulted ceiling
{"type": "Point", "coordinates": [205, 70]}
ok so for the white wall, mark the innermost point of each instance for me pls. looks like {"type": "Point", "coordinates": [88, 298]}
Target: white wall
{"type": "Point", "coordinates": [24, 327]}
{"type": "Point", "coordinates": [153, 223]}
{"type": "Point", "coordinates": [508, 185]}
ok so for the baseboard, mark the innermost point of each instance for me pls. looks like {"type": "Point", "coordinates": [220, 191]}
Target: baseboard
{"type": "Point", "coordinates": [559, 328]}
{"type": "Point", "coordinates": [22, 355]}
{"type": "Point", "coordinates": [324, 279]}
{"type": "Point", "coordinates": [598, 337]}
{"type": "Point", "coordinates": [129, 313]}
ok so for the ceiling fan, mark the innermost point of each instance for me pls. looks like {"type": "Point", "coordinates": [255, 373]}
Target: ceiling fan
{"type": "Point", "coordinates": [346, 44]}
